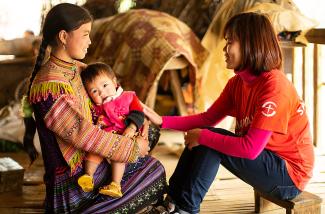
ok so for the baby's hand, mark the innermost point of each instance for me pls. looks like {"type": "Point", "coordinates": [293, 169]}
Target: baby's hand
{"type": "Point", "coordinates": [101, 123]}
{"type": "Point", "coordinates": [130, 131]}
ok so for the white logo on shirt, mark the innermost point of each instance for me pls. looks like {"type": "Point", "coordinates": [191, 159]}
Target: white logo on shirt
{"type": "Point", "coordinates": [269, 109]}
{"type": "Point", "coordinates": [301, 108]}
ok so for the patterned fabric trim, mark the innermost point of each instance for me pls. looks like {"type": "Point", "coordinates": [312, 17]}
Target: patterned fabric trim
{"type": "Point", "coordinates": [149, 194]}
{"type": "Point", "coordinates": [61, 63]}
{"type": "Point", "coordinates": [143, 184]}
{"type": "Point", "coordinates": [53, 80]}
{"type": "Point", "coordinates": [42, 90]}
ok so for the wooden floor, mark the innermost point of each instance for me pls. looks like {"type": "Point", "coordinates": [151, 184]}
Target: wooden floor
{"type": "Point", "coordinates": [30, 198]}
{"type": "Point", "coordinates": [226, 195]}
{"type": "Point", "coordinates": [229, 194]}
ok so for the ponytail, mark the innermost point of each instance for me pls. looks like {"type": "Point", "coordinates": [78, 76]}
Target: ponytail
{"type": "Point", "coordinates": [27, 109]}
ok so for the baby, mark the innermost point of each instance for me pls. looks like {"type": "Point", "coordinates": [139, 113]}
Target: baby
{"type": "Point", "coordinates": [118, 111]}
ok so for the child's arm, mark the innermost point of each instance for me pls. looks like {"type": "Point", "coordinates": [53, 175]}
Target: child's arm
{"type": "Point", "coordinates": [136, 115]}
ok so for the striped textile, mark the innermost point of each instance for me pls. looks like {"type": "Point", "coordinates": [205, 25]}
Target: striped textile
{"type": "Point", "coordinates": [143, 183]}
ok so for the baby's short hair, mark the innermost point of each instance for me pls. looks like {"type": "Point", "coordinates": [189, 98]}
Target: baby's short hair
{"type": "Point", "coordinates": [93, 70]}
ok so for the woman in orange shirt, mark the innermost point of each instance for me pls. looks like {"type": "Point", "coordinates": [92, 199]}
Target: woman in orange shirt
{"type": "Point", "coordinates": [271, 148]}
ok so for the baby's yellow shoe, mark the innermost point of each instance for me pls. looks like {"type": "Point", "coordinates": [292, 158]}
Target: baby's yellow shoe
{"type": "Point", "coordinates": [86, 183]}
{"type": "Point", "coordinates": [113, 190]}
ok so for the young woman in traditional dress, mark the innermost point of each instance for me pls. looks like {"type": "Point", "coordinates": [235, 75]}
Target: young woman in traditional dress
{"type": "Point", "coordinates": [63, 119]}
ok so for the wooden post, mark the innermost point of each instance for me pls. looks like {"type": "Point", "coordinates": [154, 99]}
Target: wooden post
{"type": "Point", "coordinates": [320, 97]}
{"type": "Point", "coordinates": [308, 83]}
{"type": "Point", "coordinates": [177, 92]}
{"type": "Point", "coordinates": [151, 98]}
{"type": "Point", "coordinates": [174, 64]}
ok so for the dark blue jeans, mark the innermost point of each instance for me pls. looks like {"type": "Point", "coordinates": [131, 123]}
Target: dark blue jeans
{"type": "Point", "coordinates": [196, 170]}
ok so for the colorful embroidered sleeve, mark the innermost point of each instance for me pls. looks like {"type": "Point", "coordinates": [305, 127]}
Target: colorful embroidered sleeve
{"type": "Point", "coordinates": [64, 119]}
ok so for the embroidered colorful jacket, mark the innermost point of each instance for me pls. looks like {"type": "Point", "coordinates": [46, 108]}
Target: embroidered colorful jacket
{"type": "Point", "coordinates": [67, 116]}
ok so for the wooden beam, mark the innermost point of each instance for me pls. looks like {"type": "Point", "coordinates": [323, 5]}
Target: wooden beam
{"type": "Point", "coordinates": [316, 36]}
{"type": "Point", "coordinates": [17, 47]}
{"type": "Point", "coordinates": [176, 63]}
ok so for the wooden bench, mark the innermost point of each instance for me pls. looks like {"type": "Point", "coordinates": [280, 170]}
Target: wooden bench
{"type": "Point", "coordinates": [304, 203]}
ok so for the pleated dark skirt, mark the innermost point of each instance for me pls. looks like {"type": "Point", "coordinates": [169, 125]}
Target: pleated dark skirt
{"type": "Point", "coordinates": [143, 184]}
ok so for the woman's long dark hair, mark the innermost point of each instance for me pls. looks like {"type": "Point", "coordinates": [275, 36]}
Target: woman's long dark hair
{"type": "Point", "coordinates": [63, 16]}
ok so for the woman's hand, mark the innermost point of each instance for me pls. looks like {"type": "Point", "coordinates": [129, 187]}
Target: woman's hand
{"type": "Point", "coordinates": [191, 138]}
{"type": "Point", "coordinates": [142, 140]}
{"type": "Point", "coordinates": [143, 146]}
{"type": "Point", "coordinates": [152, 115]}
{"type": "Point", "coordinates": [130, 131]}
